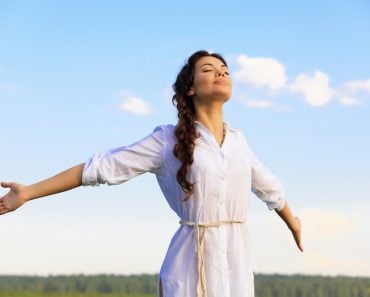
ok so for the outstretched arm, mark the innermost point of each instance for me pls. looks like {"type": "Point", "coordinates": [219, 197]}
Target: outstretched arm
{"type": "Point", "coordinates": [19, 194]}
{"type": "Point", "coordinates": [293, 223]}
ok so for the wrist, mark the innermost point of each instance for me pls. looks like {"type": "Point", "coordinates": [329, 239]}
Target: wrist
{"type": "Point", "coordinates": [25, 193]}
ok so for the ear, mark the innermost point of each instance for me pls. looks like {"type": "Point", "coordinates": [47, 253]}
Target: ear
{"type": "Point", "coordinates": [190, 92]}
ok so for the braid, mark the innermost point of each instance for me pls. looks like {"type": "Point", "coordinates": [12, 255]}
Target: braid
{"type": "Point", "coordinates": [186, 135]}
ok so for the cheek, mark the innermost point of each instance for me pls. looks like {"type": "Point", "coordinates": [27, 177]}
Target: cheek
{"type": "Point", "coordinates": [201, 84]}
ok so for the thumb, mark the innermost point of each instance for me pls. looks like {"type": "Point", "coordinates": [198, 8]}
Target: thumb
{"type": "Point", "coordinates": [6, 184]}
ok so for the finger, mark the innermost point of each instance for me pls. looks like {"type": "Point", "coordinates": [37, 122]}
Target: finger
{"type": "Point", "coordinates": [299, 242]}
{"type": "Point", "coordinates": [300, 245]}
{"type": "Point", "coordinates": [297, 235]}
{"type": "Point", "coordinates": [4, 211]}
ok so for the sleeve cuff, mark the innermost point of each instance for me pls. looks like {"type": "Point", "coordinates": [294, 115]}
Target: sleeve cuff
{"type": "Point", "coordinates": [88, 176]}
{"type": "Point", "coordinates": [277, 205]}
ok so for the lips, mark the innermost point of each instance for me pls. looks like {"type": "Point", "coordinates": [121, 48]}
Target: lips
{"type": "Point", "coordinates": [221, 81]}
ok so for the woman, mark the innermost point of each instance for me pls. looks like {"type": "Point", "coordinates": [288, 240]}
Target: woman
{"type": "Point", "coordinates": [205, 170]}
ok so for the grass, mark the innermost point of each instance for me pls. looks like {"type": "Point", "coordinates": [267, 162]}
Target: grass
{"type": "Point", "coordinates": [33, 294]}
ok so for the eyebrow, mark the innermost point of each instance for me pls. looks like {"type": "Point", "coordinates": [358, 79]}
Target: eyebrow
{"type": "Point", "coordinates": [210, 64]}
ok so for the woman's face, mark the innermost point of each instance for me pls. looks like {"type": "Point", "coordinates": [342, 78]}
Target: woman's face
{"type": "Point", "coordinates": [211, 81]}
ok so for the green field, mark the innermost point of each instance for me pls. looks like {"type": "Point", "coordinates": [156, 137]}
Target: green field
{"type": "Point", "coordinates": [32, 294]}
{"type": "Point", "coordinates": [145, 285]}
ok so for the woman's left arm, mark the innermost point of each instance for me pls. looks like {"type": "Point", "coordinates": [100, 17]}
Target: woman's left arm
{"type": "Point", "coordinates": [293, 223]}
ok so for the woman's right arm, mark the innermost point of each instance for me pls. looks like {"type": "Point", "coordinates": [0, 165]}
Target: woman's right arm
{"type": "Point", "coordinates": [19, 194]}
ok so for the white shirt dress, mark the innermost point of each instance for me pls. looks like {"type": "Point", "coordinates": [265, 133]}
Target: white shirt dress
{"type": "Point", "coordinates": [209, 255]}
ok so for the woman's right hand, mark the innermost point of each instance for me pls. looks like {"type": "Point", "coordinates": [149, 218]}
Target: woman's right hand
{"type": "Point", "coordinates": [15, 198]}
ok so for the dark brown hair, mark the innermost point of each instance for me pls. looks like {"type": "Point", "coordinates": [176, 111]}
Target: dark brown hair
{"type": "Point", "coordinates": [185, 128]}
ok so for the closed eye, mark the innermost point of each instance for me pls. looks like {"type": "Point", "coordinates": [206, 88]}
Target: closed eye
{"type": "Point", "coordinates": [210, 70]}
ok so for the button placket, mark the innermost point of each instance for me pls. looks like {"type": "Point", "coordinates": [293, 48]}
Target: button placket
{"type": "Point", "coordinates": [222, 216]}
{"type": "Point", "coordinates": [222, 186]}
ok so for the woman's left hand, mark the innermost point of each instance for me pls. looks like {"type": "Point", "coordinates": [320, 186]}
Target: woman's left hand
{"type": "Point", "coordinates": [296, 230]}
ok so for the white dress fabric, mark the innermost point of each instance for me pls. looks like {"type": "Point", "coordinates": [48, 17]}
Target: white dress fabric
{"type": "Point", "coordinates": [223, 178]}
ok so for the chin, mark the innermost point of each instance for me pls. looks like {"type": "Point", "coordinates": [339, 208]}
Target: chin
{"type": "Point", "coordinates": [224, 97]}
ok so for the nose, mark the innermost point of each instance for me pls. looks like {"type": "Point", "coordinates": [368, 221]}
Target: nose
{"type": "Point", "coordinates": [220, 72]}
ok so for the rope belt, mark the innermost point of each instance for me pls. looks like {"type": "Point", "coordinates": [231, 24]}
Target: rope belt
{"type": "Point", "coordinates": [199, 229]}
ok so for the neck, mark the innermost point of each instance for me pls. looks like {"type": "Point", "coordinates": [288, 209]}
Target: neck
{"type": "Point", "coordinates": [212, 119]}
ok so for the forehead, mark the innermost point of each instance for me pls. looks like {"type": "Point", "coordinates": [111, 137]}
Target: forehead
{"type": "Point", "coordinates": [209, 60]}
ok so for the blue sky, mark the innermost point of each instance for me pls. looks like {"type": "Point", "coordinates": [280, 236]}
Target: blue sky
{"type": "Point", "coordinates": [81, 77]}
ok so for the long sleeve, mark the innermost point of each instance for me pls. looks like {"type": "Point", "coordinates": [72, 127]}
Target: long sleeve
{"type": "Point", "coordinates": [121, 164]}
{"type": "Point", "coordinates": [265, 185]}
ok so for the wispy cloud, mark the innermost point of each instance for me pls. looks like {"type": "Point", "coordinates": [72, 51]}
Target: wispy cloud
{"type": "Point", "coordinates": [350, 92]}
{"type": "Point", "coordinates": [349, 101]}
{"type": "Point", "coordinates": [133, 104]}
{"type": "Point", "coordinates": [359, 85]}
{"type": "Point", "coordinates": [261, 103]}
{"type": "Point", "coordinates": [11, 89]}
{"type": "Point", "coordinates": [7, 88]}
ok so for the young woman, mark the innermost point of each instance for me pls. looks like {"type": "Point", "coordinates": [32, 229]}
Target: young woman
{"type": "Point", "coordinates": [206, 170]}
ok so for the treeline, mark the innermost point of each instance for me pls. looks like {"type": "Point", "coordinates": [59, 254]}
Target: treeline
{"type": "Point", "coordinates": [265, 285]}
{"type": "Point", "coordinates": [311, 286]}
{"type": "Point", "coordinates": [130, 284]}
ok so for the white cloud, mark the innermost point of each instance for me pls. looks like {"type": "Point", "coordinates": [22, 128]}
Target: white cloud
{"type": "Point", "coordinates": [133, 104]}
{"type": "Point", "coordinates": [349, 101]}
{"type": "Point", "coordinates": [321, 225]}
{"type": "Point", "coordinates": [315, 88]}
{"type": "Point", "coordinates": [359, 85]}
{"type": "Point", "coordinates": [333, 241]}
{"type": "Point", "coordinates": [261, 71]}
{"type": "Point", "coordinates": [48, 243]}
